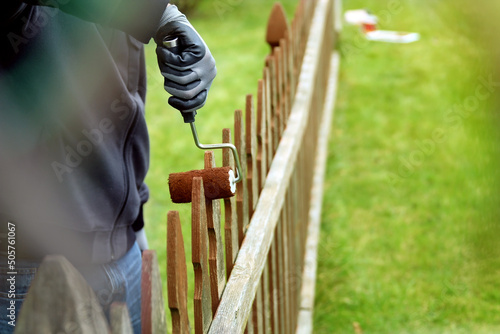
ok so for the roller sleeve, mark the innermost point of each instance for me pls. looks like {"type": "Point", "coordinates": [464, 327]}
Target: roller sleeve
{"type": "Point", "coordinates": [217, 183]}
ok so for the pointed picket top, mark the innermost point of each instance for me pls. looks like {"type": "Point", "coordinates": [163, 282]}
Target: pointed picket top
{"type": "Point", "coordinates": [119, 319]}
{"type": "Point", "coordinates": [277, 25]}
{"type": "Point", "coordinates": [60, 299]}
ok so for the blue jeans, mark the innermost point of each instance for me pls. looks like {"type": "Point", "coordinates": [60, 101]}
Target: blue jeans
{"type": "Point", "coordinates": [116, 281]}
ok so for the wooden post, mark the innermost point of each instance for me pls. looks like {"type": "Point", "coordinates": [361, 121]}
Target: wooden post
{"type": "Point", "coordinates": [267, 107]}
{"type": "Point", "coordinates": [241, 187]}
{"type": "Point", "coordinates": [273, 287]}
{"type": "Point", "coordinates": [176, 275]}
{"type": "Point", "coordinates": [231, 221]}
{"type": "Point", "coordinates": [199, 240]}
{"type": "Point", "coordinates": [271, 63]}
{"type": "Point", "coordinates": [120, 319]}
{"type": "Point", "coordinates": [216, 247]}
{"type": "Point", "coordinates": [251, 150]}
{"type": "Point", "coordinates": [278, 103]}
{"type": "Point", "coordinates": [261, 135]}
{"type": "Point", "coordinates": [152, 307]}
{"type": "Point", "coordinates": [266, 306]}
{"type": "Point", "coordinates": [258, 316]}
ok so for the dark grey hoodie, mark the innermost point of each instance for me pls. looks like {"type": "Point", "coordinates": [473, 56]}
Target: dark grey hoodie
{"type": "Point", "coordinates": [74, 147]}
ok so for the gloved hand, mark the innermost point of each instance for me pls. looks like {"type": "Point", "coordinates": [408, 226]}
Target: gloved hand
{"type": "Point", "coordinates": [189, 72]}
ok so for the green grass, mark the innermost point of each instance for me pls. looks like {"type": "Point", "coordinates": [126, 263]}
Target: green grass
{"type": "Point", "coordinates": [410, 223]}
{"type": "Point", "coordinates": [409, 240]}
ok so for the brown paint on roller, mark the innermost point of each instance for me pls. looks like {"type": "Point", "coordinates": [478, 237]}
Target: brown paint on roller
{"type": "Point", "coordinates": [215, 182]}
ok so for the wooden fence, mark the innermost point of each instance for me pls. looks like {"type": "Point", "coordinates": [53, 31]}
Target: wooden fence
{"type": "Point", "coordinates": [259, 275]}
{"type": "Point", "coordinates": [271, 227]}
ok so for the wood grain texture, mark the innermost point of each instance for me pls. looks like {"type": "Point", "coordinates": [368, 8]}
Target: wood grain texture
{"type": "Point", "coordinates": [251, 150]}
{"type": "Point", "coordinates": [60, 300]}
{"type": "Point", "coordinates": [285, 267]}
{"type": "Point", "coordinates": [278, 107]}
{"type": "Point", "coordinates": [281, 84]}
{"type": "Point", "coordinates": [266, 306]}
{"type": "Point", "coordinates": [199, 240]}
{"type": "Point", "coordinates": [278, 98]}
{"type": "Point", "coordinates": [152, 307]}
{"type": "Point", "coordinates": [230, 220]}
{"type": "Point", "coordinates": [290, 71]}
{"type": "Point", "coordinates": [280, 276]}
{"type": "Point", "coordinates": [286, 98]}
{"type": "Point", "coordinates": [273, 287]}
{"type": "Point", "coordinates": [120, 319]}
{"type": "Point", "coordinates": [261, 135]}
{"type": "Point", "coordinates": [269, 134]}
{"type": "Point", "coordinates": [241, 187]}
{"type": "Point", "coordinates": [176, 275]}
{"type": "Point", "coordinates": [273, 99]}
{"type": "Point", "coordinates": [258, 314]}
{"type": "Point", "coordinates": [216, 247]}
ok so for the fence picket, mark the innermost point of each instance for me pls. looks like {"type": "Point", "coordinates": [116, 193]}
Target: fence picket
{"type": "Point", "coordinates": [251, 150]}
{"type": "Point", "coordinates": [282, 74]}
{"type": "Point", "coordinates": [267, 111]}
{"type": "Point", "coordinates": [120, 319]}
{"type": "Point", "coordinates": [261, 136]}
{"type": "Point", "coordinates": [152, 307]}
{"type": "Point", "coordinates": [241, 187]}
{"type": "Point", "coordinates": [270, 62]}
{"type": "Point", "coordinates": [216, 247]}
{"type": "Point", "coordinates": [230, 220]}
{"type": "Point", "coordinates": [266, 306]}
{"type": "Point", "coordinates": [199, 240]}
{"type": "Point", "coordinates": [258, 311]}
{"type": "Point", "coordinates": [280, 275]}
{"type": "Point", "coordinates": [176, 275]}
{"type": "Point", "coordinates": [273, 291]}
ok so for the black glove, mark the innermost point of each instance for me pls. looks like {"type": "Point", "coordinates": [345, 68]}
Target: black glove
{"type": "Point", "coordinates": [188, 69]}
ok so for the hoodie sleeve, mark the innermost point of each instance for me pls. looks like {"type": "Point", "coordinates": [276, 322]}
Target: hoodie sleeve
{"type": "Point", "coordinates": [138, 18]}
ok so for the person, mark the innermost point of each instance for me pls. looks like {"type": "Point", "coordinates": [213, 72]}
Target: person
{"type": "Point", "coordinates": [74, 147]}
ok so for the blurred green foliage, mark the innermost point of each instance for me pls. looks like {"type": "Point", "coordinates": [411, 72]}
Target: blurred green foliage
{"type": "Point", "coordinates": [185, 6]}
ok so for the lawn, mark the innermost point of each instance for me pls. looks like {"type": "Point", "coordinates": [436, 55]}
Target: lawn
{"type": "Point", "coordinates": [410, 231]}
{"type": "Point", "coordinates": [410, 221]}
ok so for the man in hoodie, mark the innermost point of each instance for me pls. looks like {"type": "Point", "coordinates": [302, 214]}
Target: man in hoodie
{"type": "Point", "coordinates": [74, 147]}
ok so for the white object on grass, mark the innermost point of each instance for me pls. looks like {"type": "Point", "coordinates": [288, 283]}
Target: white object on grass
{"type": "Point", "coordinates": [392, 36]}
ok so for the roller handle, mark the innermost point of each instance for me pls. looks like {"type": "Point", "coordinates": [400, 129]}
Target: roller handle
{"type": "Point", "coordinates": [172, 44]}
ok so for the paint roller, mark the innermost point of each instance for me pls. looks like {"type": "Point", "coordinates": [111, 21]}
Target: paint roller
{"type": "Point", "coordinates": [218, 182]}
